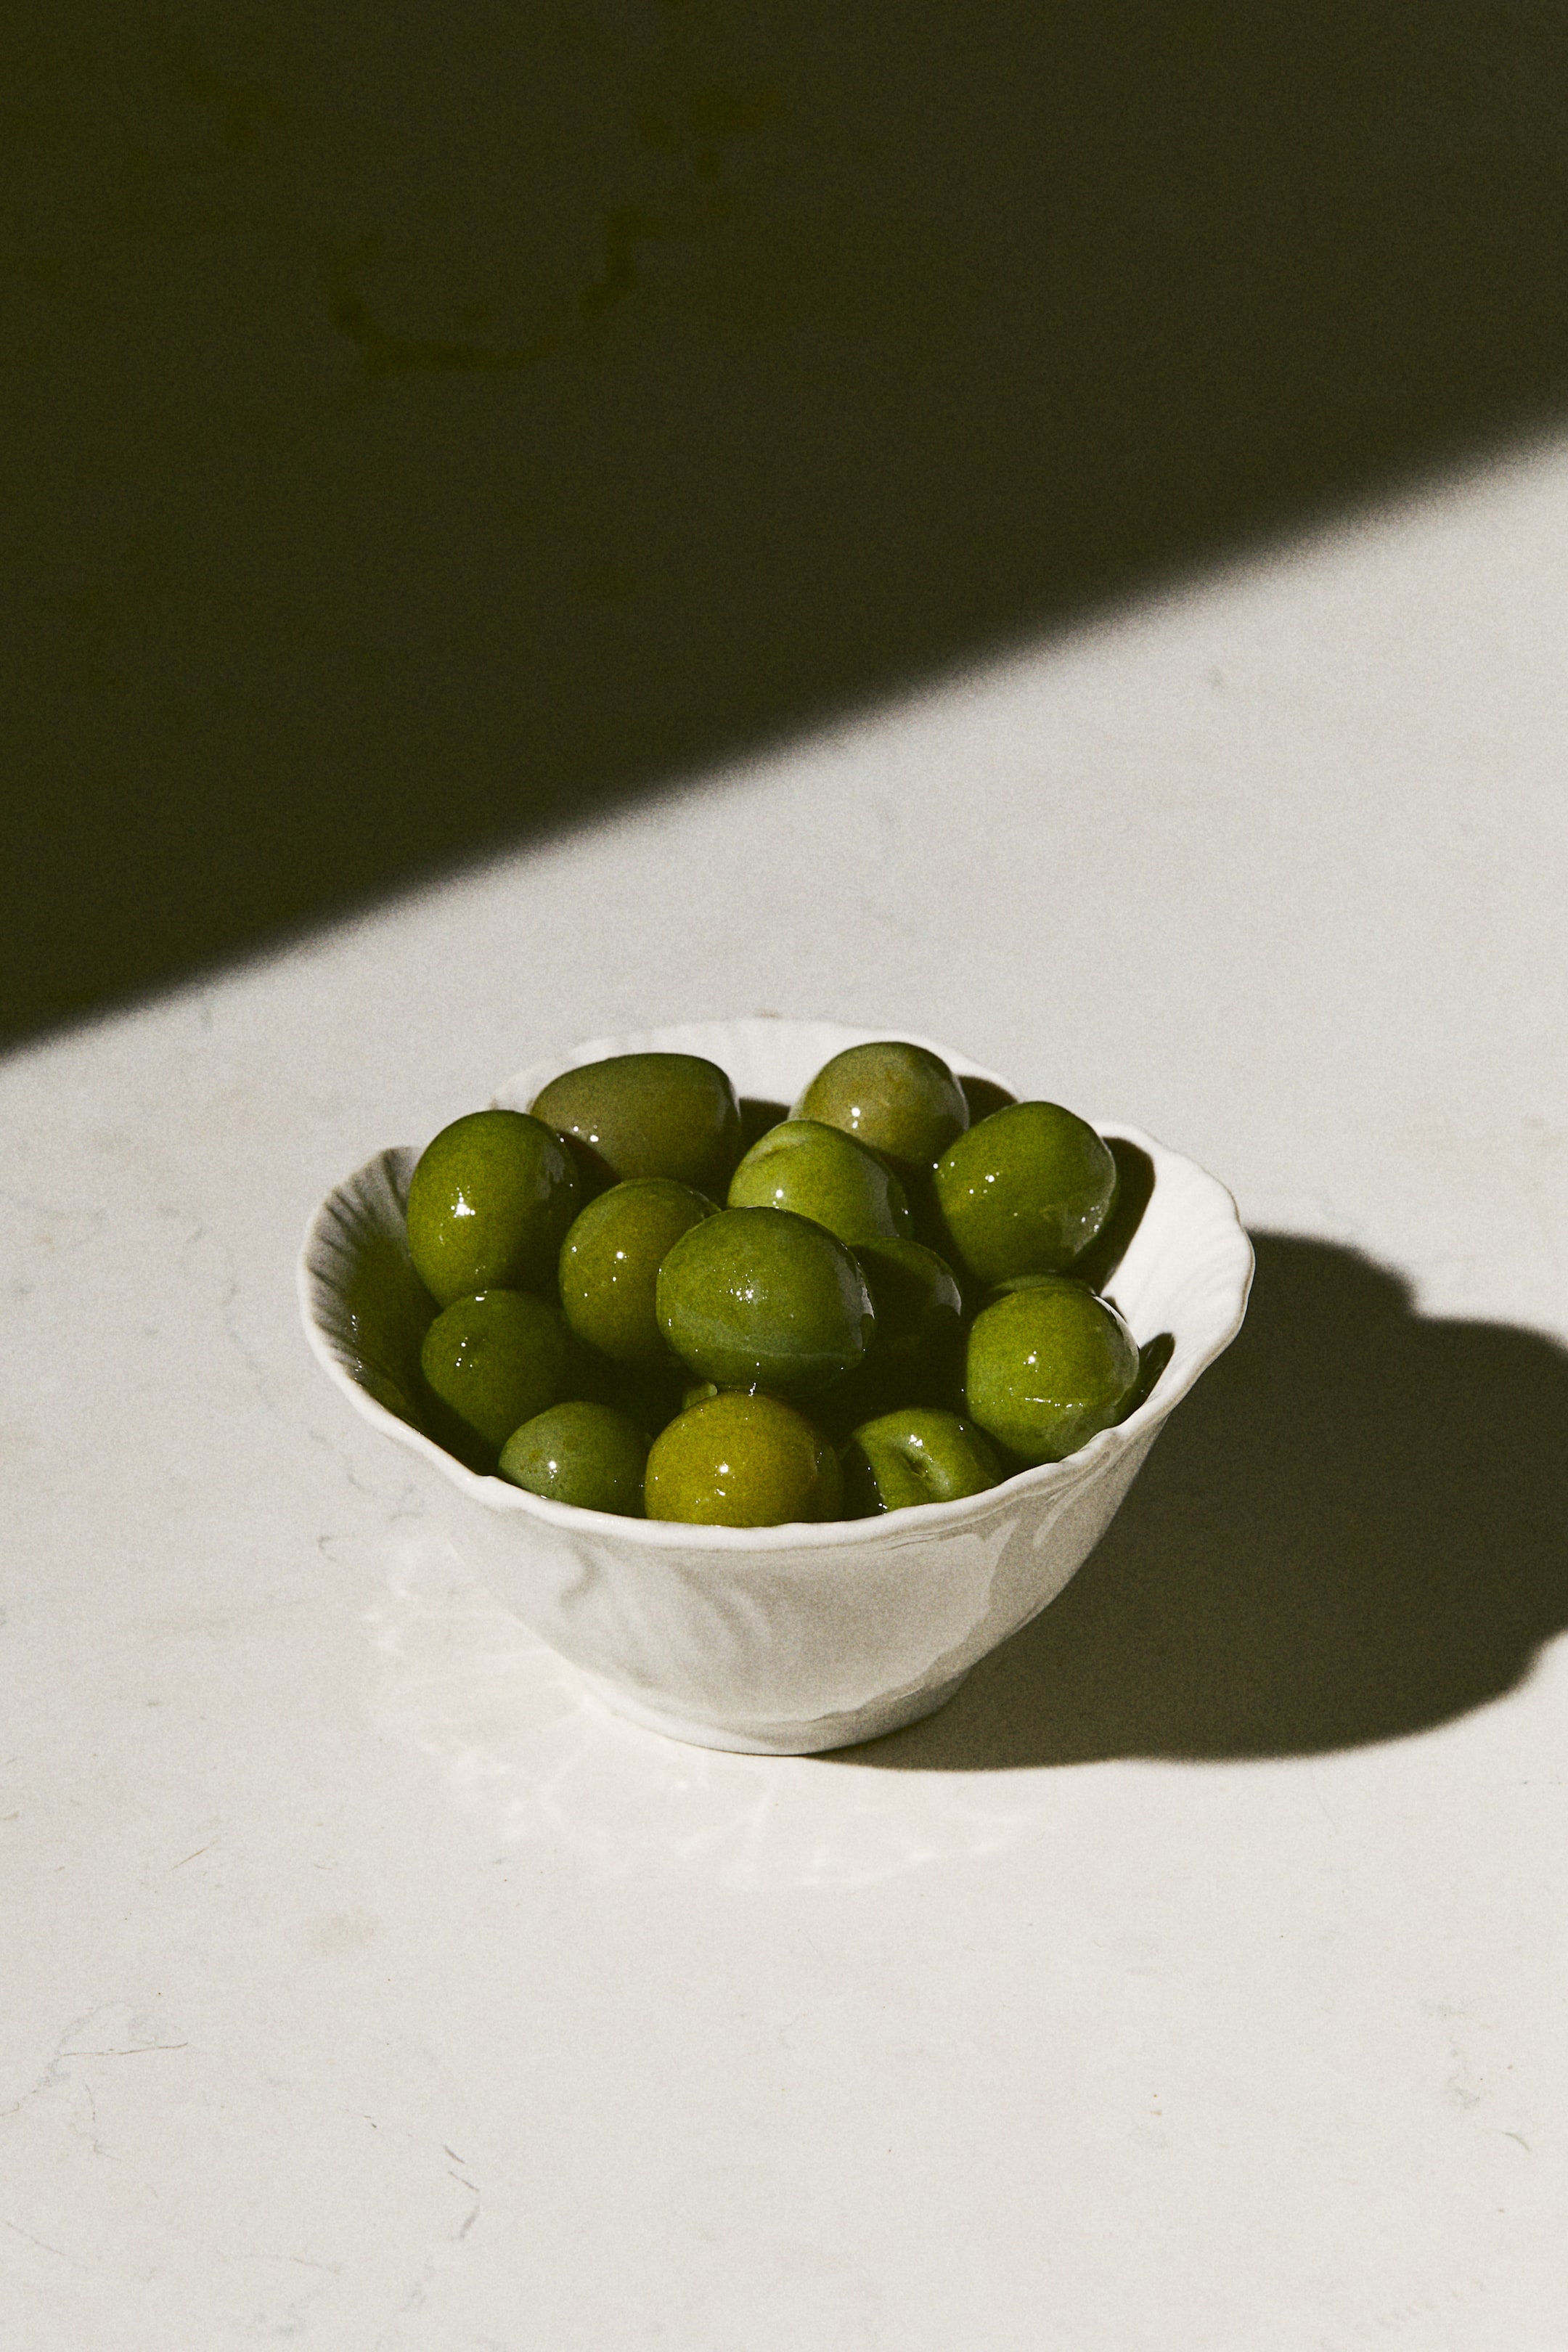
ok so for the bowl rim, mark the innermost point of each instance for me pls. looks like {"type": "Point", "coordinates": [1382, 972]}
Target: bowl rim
{"type": "Point", "coordinates": [890, 1530]}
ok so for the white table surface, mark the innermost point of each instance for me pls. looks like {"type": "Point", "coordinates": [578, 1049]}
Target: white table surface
{"type": "Point", "coordinates": [1196, 1980]}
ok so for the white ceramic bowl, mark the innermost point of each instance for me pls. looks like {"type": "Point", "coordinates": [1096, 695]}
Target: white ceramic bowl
{"type": "Point", "coordinates": [775, 1640]}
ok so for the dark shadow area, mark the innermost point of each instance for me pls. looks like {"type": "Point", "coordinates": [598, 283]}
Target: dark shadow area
{"type": "Point", "coordinates": [424, 427]}
{"type": "Point", "coordinates": [1153, 1358]}
{"type": "Point", "coordinates": [757, 1117]}
{"type": "Point", "coordinates": [982, 1097]}
{"type": "Point", "coordinates": [1134, 1190]}
{"type": "Point", "coordinates": [1354, 1527]}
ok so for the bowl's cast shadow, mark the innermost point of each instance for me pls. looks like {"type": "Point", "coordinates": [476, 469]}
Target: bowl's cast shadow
{"type": "Point", "coordinates": [1354, 1529]}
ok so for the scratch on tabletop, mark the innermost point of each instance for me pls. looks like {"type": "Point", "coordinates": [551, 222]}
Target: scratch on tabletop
{"type": "Point", "coordinates": [137, 2050]}
{"type": "Point", "coordinates": [41, 2242]}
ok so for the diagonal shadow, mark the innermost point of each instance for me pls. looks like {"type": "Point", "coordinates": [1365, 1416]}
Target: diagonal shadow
{"type": "Point", "coordinates": [427, 427]}
{"type": "Point", "coordinates": [1354, 1529]}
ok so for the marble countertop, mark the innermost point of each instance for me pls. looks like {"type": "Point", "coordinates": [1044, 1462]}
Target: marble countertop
{"type": "Point", "coordinates": [1195, 1979]}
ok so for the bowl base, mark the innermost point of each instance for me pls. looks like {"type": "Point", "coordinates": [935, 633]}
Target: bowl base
{"type": "Point", "coordinates": [810, 1738]}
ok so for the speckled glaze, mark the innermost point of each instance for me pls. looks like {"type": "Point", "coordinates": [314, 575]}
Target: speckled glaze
{"type": "Point", "coordinates": [775, 1640]}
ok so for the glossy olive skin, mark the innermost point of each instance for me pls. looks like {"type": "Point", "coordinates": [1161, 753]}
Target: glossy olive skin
{"type": "Point", "coordinates": [649, 1115]}
{"type": "Point", "coordinates": [820, 1172]}
{"type": "Point", "coordinates": [489, 1205]}
{"type": "Point", "coordinates": [916, 1455]}
{"type": "Point", "coordinates": [914, 1293]}
{"type": "Point", "coordinates": [1025, 1191]}
{"type": "Point", "coordinates": [740, 1461]}
{"type": "Point", "coordinates": [496, 1360]}
{"type": "Point", "coordinates": [899, 1098]}
{"type": "Point", "coordinates": [587, 1454]}
{"type": "Point", "coordinates": [761, 1299]}
{"type": "Point", "coordinates": [609, 1266]}
{"type": "Point", "coordinates": [1049, 1368]}
{"type": "Point", "coordinates": [916, 1355]}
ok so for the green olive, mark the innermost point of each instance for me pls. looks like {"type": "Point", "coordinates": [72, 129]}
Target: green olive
{"type": "Point", "coordinates": [822, 1174]}
{"type": "Point", "coordinates": [583, 1453]}
{"type": "Point", "coordinates": [610, 1262]}
{"type": "Point", "coordinates": [738, 1461]}
{"type": "Point", "coordinates": [914, 1295]}
{"type": "Point", "coordinates": [1025, 1191]}
{"type": "Point", "coordinates": [916, 1354]}
{"type": "Point", "coordinates": [649, 1115]}
{"type": "Point", "coordinates": [902, 1099]}
{"type": "Point", "coordinates": [1047, 1368]}
{"type": "Point", "coordinates": [761, 1299]}
{"type": "Point", "coordinates": [489, 1204]}
{"type": "Point", "coordinates": [914, 1456]}
{"type": "Point", "coordinates": [496, 1360]}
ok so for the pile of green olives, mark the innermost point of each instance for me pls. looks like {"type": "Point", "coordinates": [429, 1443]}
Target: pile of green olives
{"type": "Point", "coordinates": [654, 1299]}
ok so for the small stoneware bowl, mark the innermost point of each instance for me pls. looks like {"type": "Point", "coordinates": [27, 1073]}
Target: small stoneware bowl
{"type": "Point", "coordinates": [781, 1641]}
